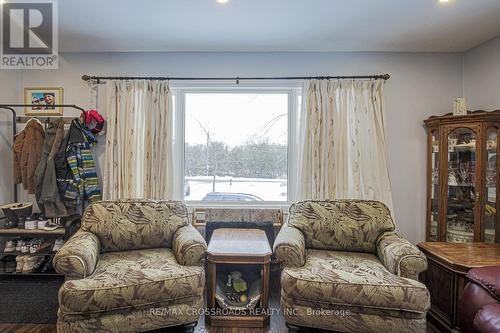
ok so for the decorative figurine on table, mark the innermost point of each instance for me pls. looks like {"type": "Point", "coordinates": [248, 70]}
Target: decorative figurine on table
{"type": "Point", "coordinates": [236, 287]}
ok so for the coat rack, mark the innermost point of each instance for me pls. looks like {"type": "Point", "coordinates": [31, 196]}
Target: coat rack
{"type": "Point", "coordinates": [16, 119]}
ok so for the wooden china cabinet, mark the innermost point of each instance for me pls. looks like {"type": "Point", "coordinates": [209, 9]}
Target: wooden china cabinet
{"type": "Point", "coordinates": [462, 177]}
{"type": "Point", "coordinates": [462, 201]}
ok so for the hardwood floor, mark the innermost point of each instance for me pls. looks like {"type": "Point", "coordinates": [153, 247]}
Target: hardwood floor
{"type": "Point", "coordinates": [277, 324]}
{"type": "Point", "coordinates": [44, 328]}
{"type": "Point", "coordinates": [27, 328]}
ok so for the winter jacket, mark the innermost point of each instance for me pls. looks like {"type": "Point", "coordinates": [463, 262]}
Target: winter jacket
{"type": "Point", "coordinates": [28, 147]}
{"type": "Point", "coordinates": [64, 175]}
{"type": "Point", "coordinates": [85, 184]}
{"type": "Point", "coordinates": [47, 191]}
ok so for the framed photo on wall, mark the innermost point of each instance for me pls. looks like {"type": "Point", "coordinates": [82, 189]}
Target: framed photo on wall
{"type": "Point", "coordinates": [43, 101]}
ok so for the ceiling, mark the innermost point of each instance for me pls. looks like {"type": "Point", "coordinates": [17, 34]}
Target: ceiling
{"type": "Point", "coordinates": [276, 25]}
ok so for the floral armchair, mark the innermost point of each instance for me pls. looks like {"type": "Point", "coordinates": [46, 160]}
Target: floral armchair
{"type": "Point", "coordinates": [345, 269]}
{"type": "Point", "coordinates": [133, 266]}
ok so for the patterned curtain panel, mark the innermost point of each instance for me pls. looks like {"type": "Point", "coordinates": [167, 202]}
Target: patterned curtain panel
{"type": "Point", "coordinates": [139, 140]}
{"type": "Point", "coordinates": [342, 141]}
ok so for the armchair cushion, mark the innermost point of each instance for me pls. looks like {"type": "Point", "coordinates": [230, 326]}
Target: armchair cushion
{"type": "Point", "coordinates": [289, 247]}
{"type": "Point", "coordinates": [343, 318]}
{"type": "Point", "coordinates": [78, 256]}
{"type": "Point", "coordinates": [131, 280]}
{"type": "Point", "coordinates": [134, 224]}
{"type": "Point", "coordinates": [400, 256]}
{"type": "Point", "coordinates": [189, 246]}
{"type": "Point", "coordinates": [354, 279]}
{"type": "Point", "coordinates": [349, 225]}
{"type": "Point", "coordinates": [155, 317]}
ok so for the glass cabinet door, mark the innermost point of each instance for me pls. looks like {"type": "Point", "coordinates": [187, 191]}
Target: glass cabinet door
{"type": "Point", "coordinates": [433, 233]}
{"type": "Point", "coordinates": [490, 206]}
{"type": "Point", "coordinates": [461, 185]}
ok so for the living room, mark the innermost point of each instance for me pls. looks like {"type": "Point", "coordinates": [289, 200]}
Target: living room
{"type": "Point", "coordinates": [286, 154]}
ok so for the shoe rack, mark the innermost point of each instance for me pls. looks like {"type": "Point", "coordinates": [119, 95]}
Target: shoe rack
{"type": "Point", "coordinates": [69, 229]}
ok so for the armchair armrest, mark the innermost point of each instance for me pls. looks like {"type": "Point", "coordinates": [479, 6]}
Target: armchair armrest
{"type": "Point", "coordinates": [488, 278]}
{"type": "Point", "coordinates": [289, 247]}
{"type": "Point", "coordinates": [487, 319]}
{"type": "Point", "coordinates": [78, 256]}
{"type": "Point", "coordinates": [400, 256]}
{"type": "Point", "coordinates": [189, 246]}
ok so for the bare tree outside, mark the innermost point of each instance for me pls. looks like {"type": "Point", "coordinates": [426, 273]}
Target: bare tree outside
{"type": "Point", "coordinates": [236, 147]}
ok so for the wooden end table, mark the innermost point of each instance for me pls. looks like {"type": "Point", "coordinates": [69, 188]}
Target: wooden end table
{"type": "Point", "coordinates": [238, 247]}
{"type": "Point", "coordinates": [445, 277]}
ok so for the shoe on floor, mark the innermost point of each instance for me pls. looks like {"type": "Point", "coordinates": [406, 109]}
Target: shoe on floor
{"type": "Point", "coordinates": [2, 265]}
{"type": "Point", "coordinates": [53, 224]}
{"type": "Point", "coordinates": [31, 263]}
{"type": "Point", "coordinates": [42, 222]}
{"type": "Point", "coordinates": [58, 244]}
{"type": "Point", "coordinates": [46, 265]}
{"type": "Point", "coordinates": [34, 248]}
{"type": "Point", "coordinates": [31, 223]}
{"type": "Point", "coordinates": [19, 244]}
{"type": "Point", "coordinates": [10, 246]}
{"type": "Point", "coordinates": [44, 246]}
{"type": "Point", "coordinates": [34, 245]}
{"type": "Point", "coordinates": [39, 245]}
{"type": "Point", "coordinates": [20, 263]}
{"type": "Point", "coordinates": [25, 248]}
{"type": "Point", "coordinates": [10, 264]}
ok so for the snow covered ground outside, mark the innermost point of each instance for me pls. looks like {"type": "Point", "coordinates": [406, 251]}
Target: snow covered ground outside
{"type": "Point", "coordinates": [266, 189]}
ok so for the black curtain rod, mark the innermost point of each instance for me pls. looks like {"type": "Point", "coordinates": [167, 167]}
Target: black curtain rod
{"type": "Point", "coordinates": [237, 79]}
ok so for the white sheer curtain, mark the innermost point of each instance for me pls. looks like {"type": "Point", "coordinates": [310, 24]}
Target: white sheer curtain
{"type": "Point", "coordinates": [342, 141]}
{"type": "Point", "coordinates": [138, 160]}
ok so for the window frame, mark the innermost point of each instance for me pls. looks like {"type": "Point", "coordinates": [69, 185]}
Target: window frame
{"type": "Point", "coordinates": [179, 91]}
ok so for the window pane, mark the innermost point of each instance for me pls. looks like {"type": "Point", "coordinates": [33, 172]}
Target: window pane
{"type": "Point", "coordinates": [236, 147]}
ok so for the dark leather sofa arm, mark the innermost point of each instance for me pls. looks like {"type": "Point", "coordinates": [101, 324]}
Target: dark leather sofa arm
{"type": "Point", "coordinates": [480, 301]}
{"type": "Point", "coordinates": [488, 278]}
{"type": "Point", "coordinates": [487, 319]}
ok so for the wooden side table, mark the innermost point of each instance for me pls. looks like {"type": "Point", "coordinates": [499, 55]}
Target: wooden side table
{"type": "Point", "coordinates": [445, 277]}
{"type": "Point", "coordinates": [238, 247]}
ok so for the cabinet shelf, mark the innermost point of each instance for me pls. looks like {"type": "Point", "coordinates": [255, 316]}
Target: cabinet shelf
{"type": "Point", "coordinates": [31, 274]}
{"type": "Point", "coordinates": [34, 232]}
{"type": "Point", "coordinates": [462, 184]}
{"type": "Point", "coordinates": [36, 254]}
{"type": "Point", "coordinates": [71, 225]}
{"type": "Point", "coordinates": [462, 150]}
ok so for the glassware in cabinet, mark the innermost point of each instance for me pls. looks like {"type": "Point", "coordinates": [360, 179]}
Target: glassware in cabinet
{"type": "Point", "coordinates": [461, 185]}
{"type": "Point", "coordinates": [490, 202]}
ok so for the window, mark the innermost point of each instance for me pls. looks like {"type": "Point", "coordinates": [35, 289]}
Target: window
{"type": "Point", "coordinates": [235, 144]}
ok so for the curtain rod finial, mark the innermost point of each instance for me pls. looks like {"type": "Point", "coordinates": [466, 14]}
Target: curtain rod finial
{"type": "Point", "coordinates": [386, 76]}
{"type": "Point", "coordinates": [85, 77]}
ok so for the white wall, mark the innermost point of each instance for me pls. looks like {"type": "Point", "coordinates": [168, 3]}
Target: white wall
{"type": "Point", "coordinates": [9, 92]}
{"type": "Point", "coordinates": [421, 85]}
{"type": "Point", "coordinates": [481, 75]}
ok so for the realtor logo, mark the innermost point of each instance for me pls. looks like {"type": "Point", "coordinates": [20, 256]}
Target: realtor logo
{"type": "Point", "coordinates": [29, 35]}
